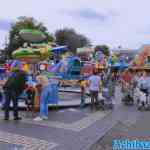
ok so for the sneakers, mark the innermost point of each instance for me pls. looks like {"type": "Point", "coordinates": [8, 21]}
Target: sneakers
{"type": "Point", "coordinates": [40, 118]}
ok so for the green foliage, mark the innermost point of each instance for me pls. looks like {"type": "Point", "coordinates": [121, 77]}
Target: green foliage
{"type": "Point", "coordinates": [103, 48]}
{"type": "Point", "coordinates": [15, 41]}
{"type": "Point", "coordinates": [70, 38]}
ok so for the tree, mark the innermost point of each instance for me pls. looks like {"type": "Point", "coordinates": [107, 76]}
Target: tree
{"type": "Point", "coordinates": [15, 41]}
{"type": "Point", "coordinates": [70, 38]}
{"type": "Point", "coordinates": [103, 48]}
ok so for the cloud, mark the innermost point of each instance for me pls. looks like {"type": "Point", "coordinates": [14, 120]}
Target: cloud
{"type": "Point", "coordinates": [89, 14]}
{"type": "Point", "coordinates": [5, 24]}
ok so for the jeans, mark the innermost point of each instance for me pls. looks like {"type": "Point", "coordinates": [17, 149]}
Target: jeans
{"type": "Point", "coordinates": [44, 101]}
{"type": "Point", "coordinates": [53, 98]}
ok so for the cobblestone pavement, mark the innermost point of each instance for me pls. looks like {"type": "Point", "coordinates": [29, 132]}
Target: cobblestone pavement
{"type": "Point", "coordinates": [68, 129]}
{"type": "Point", "coordinates": [26, 142]}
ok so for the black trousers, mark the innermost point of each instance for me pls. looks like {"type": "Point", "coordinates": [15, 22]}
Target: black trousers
{"type": "Point", "coordinates": [11, 95]}
{"type": "Point", "coordinates": [94, 97]}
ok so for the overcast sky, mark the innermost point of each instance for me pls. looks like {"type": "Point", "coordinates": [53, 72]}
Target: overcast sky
{"type": "Point", "coordinates": [112, 22]}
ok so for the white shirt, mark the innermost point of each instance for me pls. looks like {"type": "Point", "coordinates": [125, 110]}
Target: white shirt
{"type": "Point", "coordinates": [94, 83]}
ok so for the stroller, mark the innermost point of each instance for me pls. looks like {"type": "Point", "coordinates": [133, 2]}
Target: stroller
{"type": "Point", "coordinates": [28, 96]}
{"type": "Point", "coordinates": [128, 94]}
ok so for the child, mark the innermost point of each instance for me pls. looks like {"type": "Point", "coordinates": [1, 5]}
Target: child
{"type": "Point", "coordinates": [30, 91]}
{"type": "Point", "coordinates": [83, 84]}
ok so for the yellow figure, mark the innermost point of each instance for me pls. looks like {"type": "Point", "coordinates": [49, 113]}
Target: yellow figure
{"type": "Point", "coordinates": [26, 67]}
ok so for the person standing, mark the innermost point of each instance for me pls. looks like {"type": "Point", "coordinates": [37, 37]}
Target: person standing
{"type": "Point", "coordinates": [126, 79]}
{"type": "Point", "coordinates": [13, 87]}
{"type": "Point", "coordinates": [44, 97]}
{"type": "Point", "coordinates": [112, 84]}
{"type": "Point", "coordinates": [94, 87]}
{"type": "Point", "coordinates": [143, 84]}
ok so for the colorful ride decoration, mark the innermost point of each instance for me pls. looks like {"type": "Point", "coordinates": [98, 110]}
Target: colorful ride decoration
{"type": "Point", "coordinates": [34, 53]}
{"type": "Point", "coordinates": [16, 64]}
{"type": "Point", "coordinates": [37, 51]}
{"type": "Point", "coordinates": [101, 60]}
{"type": "Point", "coordinates": [142, 60]}
{"type": "Point", "coordinates": [31, 55]}
{"type": "Point", "coordinates": [117, 63]}
{"type": "Point", "coordinates": [67, 68]}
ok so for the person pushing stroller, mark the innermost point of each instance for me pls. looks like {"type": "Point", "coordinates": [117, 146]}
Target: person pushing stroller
{"type": "Point", "coordinates": [94, 87]}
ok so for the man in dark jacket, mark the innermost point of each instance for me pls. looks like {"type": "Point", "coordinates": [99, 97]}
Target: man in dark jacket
{"type": "Point", "coordinates": [13, 87]}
